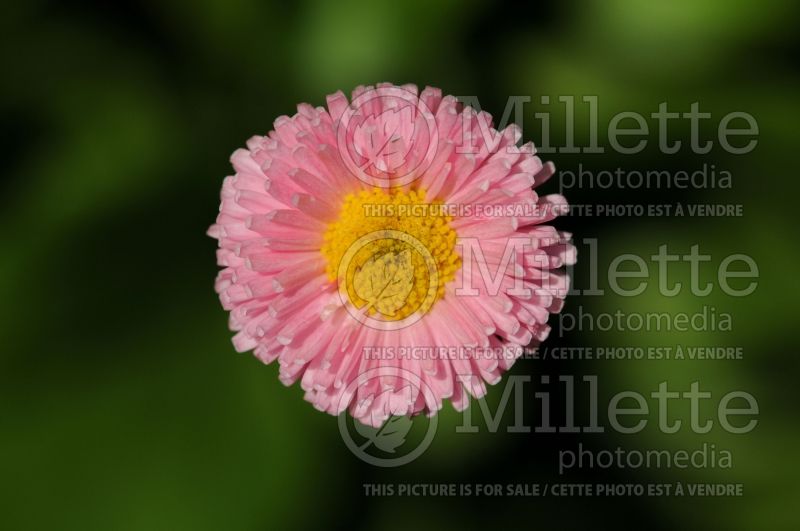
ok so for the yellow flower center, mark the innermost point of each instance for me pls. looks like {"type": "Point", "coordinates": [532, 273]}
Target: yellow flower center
{"type": "Point", "coordinates": [393, 251]}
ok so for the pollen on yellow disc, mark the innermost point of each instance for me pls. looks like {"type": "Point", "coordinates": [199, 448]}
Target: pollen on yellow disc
{"type": "Point", "coordinates": [389, 275]}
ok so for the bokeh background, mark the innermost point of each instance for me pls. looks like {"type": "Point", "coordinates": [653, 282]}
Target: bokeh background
{"type": "Point", "coordinates": [122, 403]}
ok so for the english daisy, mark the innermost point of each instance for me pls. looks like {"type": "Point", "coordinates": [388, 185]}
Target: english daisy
{"type": "Point", "coordinates": [398, 231]}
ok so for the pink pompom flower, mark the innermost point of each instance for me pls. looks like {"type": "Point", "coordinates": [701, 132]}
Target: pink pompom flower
{"type": "Point", "coordinates": [395, 234]}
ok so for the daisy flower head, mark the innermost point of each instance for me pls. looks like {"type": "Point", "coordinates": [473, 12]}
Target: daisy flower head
{"type": "Point", "coordinates": [396, 233]}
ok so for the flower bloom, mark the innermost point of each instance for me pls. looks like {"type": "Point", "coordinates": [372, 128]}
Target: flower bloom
{"type": "Point", "coordinates": [395, 234]}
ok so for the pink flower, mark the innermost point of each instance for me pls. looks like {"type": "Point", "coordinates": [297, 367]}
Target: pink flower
{"type": "Point", "coordinates": [389, 253]}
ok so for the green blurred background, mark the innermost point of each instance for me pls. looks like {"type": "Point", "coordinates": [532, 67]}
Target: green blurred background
{"type": "Point", "coordinates": [122, 403]}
